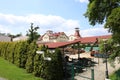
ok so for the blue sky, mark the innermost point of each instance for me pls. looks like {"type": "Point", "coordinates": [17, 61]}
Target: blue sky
{"type": "Point", "coordinates": [56, 15]}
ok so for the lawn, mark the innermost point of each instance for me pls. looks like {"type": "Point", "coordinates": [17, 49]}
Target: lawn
{"type": "Point", "coordinates": [116, 75]}
{"type": "Point", "coordinates": [11, 72]}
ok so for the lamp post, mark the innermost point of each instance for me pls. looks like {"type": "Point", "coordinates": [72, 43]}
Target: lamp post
{"type": "Point", "coordinates": [92, 71]}
{"type": "Point", "coordinates": [106, 72]}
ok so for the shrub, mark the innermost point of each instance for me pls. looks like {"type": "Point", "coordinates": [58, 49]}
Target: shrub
{"type": "Point", "coordinates": [31, 52]}
{"type": "Point", "coordinates": [24, 55]}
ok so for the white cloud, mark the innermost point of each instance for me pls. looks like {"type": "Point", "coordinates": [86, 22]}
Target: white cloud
{"type": "Point", "coordinates": [94, 32]}
{"type": "Point", "coordinates": [55, 23]}
{"type": "Point", "coordinates": [4, 30]}
{"type": "Point", "coordinates": [20, 24]}
{"type": "Point", "coordinates": [82, 1]}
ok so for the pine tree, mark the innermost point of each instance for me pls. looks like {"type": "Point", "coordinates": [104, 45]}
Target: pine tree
{"type": "Point", "coordinates": [32, 33]}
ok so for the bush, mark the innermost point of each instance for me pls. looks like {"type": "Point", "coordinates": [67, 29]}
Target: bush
{"type": "Point", "coordinates": [24, 55]}
{"type": "Point", "coordinates": [10, 51]}
{"type": "Point", "coordinates": [55, 66]}
{"type": "Point", "coordinates": [116, 75]}
{"type": "Point", "coordinates": [20, 54]}
{"type": "Point", "coordinates": [4, 50]}
{"type": "Point", "coordinates": [38, 65]}
{"type": "Point", "coordinates": [52, 70]}
{"type": "Point", "coordinates": [31, 52]}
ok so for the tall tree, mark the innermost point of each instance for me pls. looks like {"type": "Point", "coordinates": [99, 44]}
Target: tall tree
{"type": "Point", "coordinates": [99, 10]}
{"type": "Point", "coordinates": [108, 12]}
{"type": "Point", "coordinates": [32, 33]}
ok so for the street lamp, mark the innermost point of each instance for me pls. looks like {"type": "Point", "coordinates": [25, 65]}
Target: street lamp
{"type": "Point", "coordinates": [106, 72]}
{"type": "Point", "coordinates": [92, 71]}
{"type": "Point", "coordinates": [45, 58]}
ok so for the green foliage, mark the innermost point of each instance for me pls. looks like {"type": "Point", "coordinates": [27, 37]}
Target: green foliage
{"type": "Point", "coordinates": [115, 75]}
{"type": "Point", "coordinates": [24, 56]}
{"type": "Point", "coordinates": [4, 53]}
{"type": "Point", "coordinates": [23, 53]}
{"type": "Point", "coordinates": [20, 54]}
{"type": "Point", "coordinates": [13, 36]}
{"type": "Point", "coordinates": [108, 11]}
{"type": "Point", "coordinates": [31, 52]}
{"type": "Point", "coordinates": [99, 10]}
{"type": "Point", "coordinates": [49, 70]}
{"type": "Point", "coordinates": [56, 63]}
{"type": "Point", "coordinates": [112, 49]}
{"type": "Point", "coordinates": [1, 48]}
{"type": "Point", "coordinates": [53, 70]}
{"type": "Point", "coordinates": [101, 46]}
{"type": "Point", "coordinates": [11, 72]}
{"type": "Point", "coordinates": [113, 23]}
{"type": "Point", "coordinates": [10, 50]}
{"type": "Point", "coordinates": [14, 52]}
{"type": "Point", "coordinates": [17, 56]}
{"type": "Point", "coordinates": [83, 46]}
{"type": "Point", "coordinates": [38, 65]}
{"type": "Point", "coordinates": [32, 33]}
{"type": "Point", "coordinates": [106, 46]}
{"type": "Point", "coordinates": [88, 45]}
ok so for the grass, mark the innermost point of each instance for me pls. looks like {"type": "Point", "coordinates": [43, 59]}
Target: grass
{"type": "Point", "coordinates": [115, 75]}
{"type": "Point", "coordinates": [11, 72]}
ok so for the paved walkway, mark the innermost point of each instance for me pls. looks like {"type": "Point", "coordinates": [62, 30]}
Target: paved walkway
{"type": "Point", "coordinates": [99, 71]}
{"type": "Point", "coordinates": [2, 78]}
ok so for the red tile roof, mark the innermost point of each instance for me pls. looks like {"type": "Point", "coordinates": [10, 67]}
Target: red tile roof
{"type": "Point", "coordinates": [52, 35]}
{"type": "Point", "coordinates": [60, 44]}
{"type": "Point", "coordinates": [81, 40]}
{"type": "Point", "coordinates": [93, 39]}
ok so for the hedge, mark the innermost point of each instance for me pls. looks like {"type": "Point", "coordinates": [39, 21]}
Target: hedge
{"type": "Point", "coordinates": [23, 55]}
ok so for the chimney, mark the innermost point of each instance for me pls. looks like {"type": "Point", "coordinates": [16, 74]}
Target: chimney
{"type": "Point", "coordinates": [77, 34]}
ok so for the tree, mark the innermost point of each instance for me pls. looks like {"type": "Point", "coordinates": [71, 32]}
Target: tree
{"type": "Point", "coordinates": [32, 33]}
{"type": "Point", "coordinates": [108, 12]}
{"type": "Point", "coordinates": [99, 10]}
{"type": "Point", "coordinates": [113, 23]}
{"type": "Point", "coordinates": [13, 36]}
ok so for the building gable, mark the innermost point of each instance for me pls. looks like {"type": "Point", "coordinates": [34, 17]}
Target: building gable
{"type": "Point", "coordinates": [62, 37]}
{"type": "Point", "coordinates": [49, 36]}
{"type": "Point", "coordinates": [45, 37]}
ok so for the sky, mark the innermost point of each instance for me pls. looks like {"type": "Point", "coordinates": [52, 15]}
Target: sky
{"type": "Point", "coordinates": [56, 15]}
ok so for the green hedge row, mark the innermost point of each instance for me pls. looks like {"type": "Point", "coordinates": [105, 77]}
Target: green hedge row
{"type": "Point", "coordinates": [24, 56]}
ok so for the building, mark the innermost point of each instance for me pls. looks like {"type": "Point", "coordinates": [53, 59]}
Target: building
{"type": "Point", "coordinates": [50, 36]}
{"type": "Point", "coordinates": [20, 38]}
{"type": "Point", "coordinates": [75, 36]}
{"type": "Point", "coordinates": [4, 38]}
{"type": "Point", "coordinates": [87, 40]}
{"type": "Point", "coordinates": [55, 40]}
